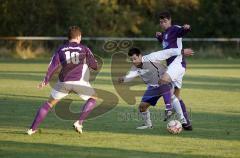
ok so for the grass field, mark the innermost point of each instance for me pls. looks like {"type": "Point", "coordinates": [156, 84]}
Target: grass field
{"type": "Point", "coordinates": [211, 90]}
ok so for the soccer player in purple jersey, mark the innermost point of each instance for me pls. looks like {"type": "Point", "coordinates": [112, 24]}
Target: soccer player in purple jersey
{"type": "Point", "coordinates": [172, 38]}
{"type": "Point", "coordinates": [75, 60]}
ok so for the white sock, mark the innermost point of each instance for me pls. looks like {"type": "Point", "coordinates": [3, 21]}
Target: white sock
{"type": "Point", "coordinates": [146, 118]}
{"type": "Point", "coordinates": [178, 109]}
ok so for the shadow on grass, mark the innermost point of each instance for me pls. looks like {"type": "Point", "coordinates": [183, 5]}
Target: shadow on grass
{"type": "Point", "coordinates": [222, 67]}
{"type": "Point", "coordinates": [20, 112]}
{"type": "Point", "coordinates": [22, 72]}
{"type": "Point", "coordinates": [209, 79]}
{"type": "Point", "coordinates": [20, 149]}
{"type": "Point", "coordinates": [206, 125]}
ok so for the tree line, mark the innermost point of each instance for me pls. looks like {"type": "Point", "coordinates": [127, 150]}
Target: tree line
{"type": "Point", "coordinates": [117, 18]}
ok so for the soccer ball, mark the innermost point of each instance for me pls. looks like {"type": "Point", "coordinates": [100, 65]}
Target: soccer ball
{"type": "Point", "coordinates": [174, 127]}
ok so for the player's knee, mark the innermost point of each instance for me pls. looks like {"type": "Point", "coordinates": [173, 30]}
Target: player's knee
{"type": "Point", "coordinates": [93, 97]}
{"type": "Point", "coordinates": [52, 102]}
{"type": "Point", "coordinates": [165, 79]}
{"type": "Point", "coordinates": [177, 93]}
{"type": "Point", "coordinates": [178, 97]}
{"type": "Point", "coordinates": [142, 107]}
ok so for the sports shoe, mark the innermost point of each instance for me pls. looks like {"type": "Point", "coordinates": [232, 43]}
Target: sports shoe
{"type": "Point", "coordinates": [145, 127]}
{"type": "Point", "coordinates": [187, 127]}
{"type": "Point", "coordinates": [168, 114]}
{"type": "Point", "coordinates": [78, 127]}
{"type": "Point", "coordinates": [31, 132]}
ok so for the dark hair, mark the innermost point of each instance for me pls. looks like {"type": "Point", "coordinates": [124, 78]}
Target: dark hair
{"type": "Point", "coordinates": [133, 51]}
{"type": "Point", "coordinates": [164, 15]}
{"type": "Point", "coordinates": [73, 32]}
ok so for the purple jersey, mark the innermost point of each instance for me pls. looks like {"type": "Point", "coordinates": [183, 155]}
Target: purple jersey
{"type": "Point", "coordinates": [172, 38]}
{"type": "Point", "coordinates": [71, 57]}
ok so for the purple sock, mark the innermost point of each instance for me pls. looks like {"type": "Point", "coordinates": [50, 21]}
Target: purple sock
{"type": "Point", "coordinates": [167, 100]}
{"type": "Point", "coordinates": [184, 111]}
{"type": "Point", "coordinates": [87, 108]}
{"type": "Point", "coordinates": [41, 114]}
{"type": "Point", "coordinates": [165, 91]}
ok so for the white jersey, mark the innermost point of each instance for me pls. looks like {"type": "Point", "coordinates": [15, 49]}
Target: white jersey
{"type": "Point", "coordinates": [152, 68]}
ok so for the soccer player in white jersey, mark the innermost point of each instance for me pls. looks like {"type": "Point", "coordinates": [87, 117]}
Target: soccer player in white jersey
{"type": "Point", "coordinates": [75, 60]}
{"type": "Point", "coordinates": [150, 69]}
{"type": "Point", "coordinates": [172, 38]}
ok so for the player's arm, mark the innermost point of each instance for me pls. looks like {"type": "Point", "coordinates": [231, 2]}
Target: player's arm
{"type": "Point", "coordinates": [53, 66]}
{"type": "Point", "coordinates": [167, 53]}
{"type": "Point", "coordinates": [162, 55]}
{"type": "Point", "coordinates": [91, 61]}
{"type": "Point", "coordinates": [129, 77]}
{"type": "Point", "coordinates": [183, 30]}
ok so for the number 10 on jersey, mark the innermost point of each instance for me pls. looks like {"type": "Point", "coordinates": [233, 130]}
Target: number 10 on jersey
{"type": "Point", "coordinates": [72, 57]}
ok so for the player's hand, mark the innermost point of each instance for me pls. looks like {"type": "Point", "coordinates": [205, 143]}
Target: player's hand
{"type": "Point", "coordinates": [41, 85]}
{"type": "Point", "coordinates": [186, 27]}
{"type": "Point", "coordinates": [158, 34]}
{"type": "Point", "coordinates": [120, 80]}
{"type": "Point", "coordinates": [188, 52]}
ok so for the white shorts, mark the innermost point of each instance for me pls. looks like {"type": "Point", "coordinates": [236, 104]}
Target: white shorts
{"type": "Point", "coordinates": [82, 88]}
{"type": "Point", "coordinates": [176, 71]}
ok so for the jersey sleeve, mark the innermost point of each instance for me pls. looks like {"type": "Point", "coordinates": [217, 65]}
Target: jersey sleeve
{"type": "Point", "coordinates": [91, 61]}
{"type": "Point", "coordinates": [52, 67]}
{"type": "Point", "coordinates": [162, 55]}
{"type": "Point", "coordinates": [181, 31]}
{"type": "Point", "coordinates": [131, 75]}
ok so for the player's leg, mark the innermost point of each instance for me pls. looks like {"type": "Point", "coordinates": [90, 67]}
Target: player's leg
{"type": "Point", "coordinates": [150, 97]}
{"type": "Point", "coordinates": [177, 94]}
{"type": "Point", "coordinates": [171, 99]}
{"type": "Point", "coordinates": [176, 102]}
{"type": "Point", "coordinates": [42, 112]}
{"type": "Point", "coordinates": [177, 86]}
{"type": "Point", "coordinates": [145, 115]}
{"type": "Point", "coordinates": [178, 109]}
{"type": "Point", "coordinates": [176, 72]}
{"type": "Point", "coordinates": [169, 77]}
{"type": "Point", "coordinates": [86, 92]}
{"type": "Point", "coordinates": [87, 108]}
{"type": "Point", "coordinates": [166, 93]}
{"type": "Point", "coordinates": [167, 101]}
{"type": "Point", "coordinates": [187, 125]}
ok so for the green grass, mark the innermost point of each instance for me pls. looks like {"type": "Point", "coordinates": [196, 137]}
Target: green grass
{"type": "Point", "coordinates": [211, 90]}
